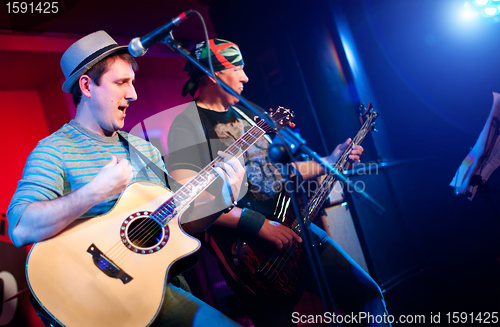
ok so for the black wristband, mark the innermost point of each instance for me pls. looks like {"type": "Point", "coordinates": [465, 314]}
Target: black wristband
{"type": "Point", "coordinates": [251, 221]}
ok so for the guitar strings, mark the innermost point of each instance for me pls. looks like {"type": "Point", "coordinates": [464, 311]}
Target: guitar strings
{"type": "Point", "coordinates": [284, 255]}
{"type": "Point", "coordinates": [158, 220]}
{"type": "Point", "coordinates": [144, 228]}
{"type": "Point", "coordinates": [149, 227]}
{"type": "Point", "coordinates": [276, 263]}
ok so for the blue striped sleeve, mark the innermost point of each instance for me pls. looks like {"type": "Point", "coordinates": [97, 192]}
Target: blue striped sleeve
{"type": "Point", "coordinates": [42, 179]}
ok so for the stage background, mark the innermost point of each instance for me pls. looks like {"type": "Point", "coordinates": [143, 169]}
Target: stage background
{"type": "Point", "coordinates": [429, 74]}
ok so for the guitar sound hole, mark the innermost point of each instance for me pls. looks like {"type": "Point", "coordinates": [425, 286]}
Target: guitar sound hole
{"type": "Point", "coordinates": [145, 232]}
{"type": "Point", "coordinates": [142, 234]}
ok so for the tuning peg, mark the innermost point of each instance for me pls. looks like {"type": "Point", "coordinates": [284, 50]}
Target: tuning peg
{"type": "Point", "coordinates": [292, 125]}
{"type": "Point", "coordinates": [270, 109]}
{"type": "Point", "coordinates": [361, 109]}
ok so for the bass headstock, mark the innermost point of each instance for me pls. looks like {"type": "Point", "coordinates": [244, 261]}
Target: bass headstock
{"type": "Point", "coordinates": [367, 116]}
{"type": "Point", "coordinates": [282, 115]}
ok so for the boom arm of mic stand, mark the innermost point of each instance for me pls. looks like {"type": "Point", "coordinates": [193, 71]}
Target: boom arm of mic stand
{"type": "Point", "coordinates": [296, 144]}
{"type": "Point", "coordinates": [289, 136]}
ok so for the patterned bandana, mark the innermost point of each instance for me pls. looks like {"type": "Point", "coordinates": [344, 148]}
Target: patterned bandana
{"type": "Point", "coordinates": [223, 55]}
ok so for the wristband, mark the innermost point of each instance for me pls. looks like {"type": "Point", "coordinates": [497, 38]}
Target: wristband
{"type": "Point", "coordinates": [251, 221]}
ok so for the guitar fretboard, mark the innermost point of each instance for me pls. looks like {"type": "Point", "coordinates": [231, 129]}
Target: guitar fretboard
{"type": "Point", "coordinates": [317, 200]}
{"type": "Point", "coordinates": [189, 191]}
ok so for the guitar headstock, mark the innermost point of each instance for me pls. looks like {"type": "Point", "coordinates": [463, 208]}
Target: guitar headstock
{"type": "Point", "coordinates": [367, 116]}
{"type": "Point", "coordinates": [282, 115]}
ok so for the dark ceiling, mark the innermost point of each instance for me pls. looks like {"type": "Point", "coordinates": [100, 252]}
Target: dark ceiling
{"type": "Point", "coordinates": [126, 18]}
{"type": "Point", "coordinates": [26, 63]}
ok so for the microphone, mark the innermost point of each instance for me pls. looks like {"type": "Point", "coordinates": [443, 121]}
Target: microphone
{"type": "Point", "coordinates": [138, 46]}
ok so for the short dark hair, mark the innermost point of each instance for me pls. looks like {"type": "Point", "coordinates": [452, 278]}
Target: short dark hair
{"type": "Point", "coordinates": [99, 69]}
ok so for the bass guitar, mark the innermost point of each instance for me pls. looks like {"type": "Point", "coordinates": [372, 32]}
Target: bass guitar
{"type": "Point", "coordinates": [256, 264]}
{"type": "Point", "coordinates": [112, 270]}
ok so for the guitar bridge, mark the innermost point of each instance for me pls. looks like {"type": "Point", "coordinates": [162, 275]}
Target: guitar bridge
{"type": "Point", "coordinates": [107, 266]}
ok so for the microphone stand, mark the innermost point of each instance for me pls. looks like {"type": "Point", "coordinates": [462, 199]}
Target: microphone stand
{"type": "Point", "coordinates": [293, 140]}
{"type": "Point", "coordinates": [285, 149]}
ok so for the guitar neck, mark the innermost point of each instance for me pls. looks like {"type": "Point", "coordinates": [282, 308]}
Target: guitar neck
{"type": "Point", "coordinates": [189, 191]}
{"type": "Point", "coordinates": [326, 187]}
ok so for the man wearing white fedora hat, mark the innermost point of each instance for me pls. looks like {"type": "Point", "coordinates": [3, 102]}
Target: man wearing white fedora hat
{"type": "Point", "coordinates": [81, 170]}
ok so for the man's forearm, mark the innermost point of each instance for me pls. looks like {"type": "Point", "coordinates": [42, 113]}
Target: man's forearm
{"type": "Point", "coordinates": [230, 219]}
{"type": "Point", "coordinates": [197, 220]}
{"type": "Point", "coordinates": [43, 219]}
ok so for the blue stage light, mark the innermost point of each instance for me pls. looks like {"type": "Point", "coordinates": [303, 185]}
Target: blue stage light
{"type": "Point", "coordinates": [487, 8]}
{"type": "Point", "coordinates": [490, 11]}
{"type": "Point", "coordinates": [470, 14]}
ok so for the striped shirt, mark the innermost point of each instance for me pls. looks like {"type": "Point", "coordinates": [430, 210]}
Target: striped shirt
{"type": "Point", "coordinates": [70, 158]}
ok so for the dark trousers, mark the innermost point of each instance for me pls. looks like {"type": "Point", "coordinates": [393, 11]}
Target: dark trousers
{"type": "Point", "coordinates": [180, 309]}
{"type": "Point", "coordinates": [352, 289]}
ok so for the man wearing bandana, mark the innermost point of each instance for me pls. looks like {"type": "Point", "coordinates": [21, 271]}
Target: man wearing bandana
{"type": "Point", "coordinates": [213, 122]}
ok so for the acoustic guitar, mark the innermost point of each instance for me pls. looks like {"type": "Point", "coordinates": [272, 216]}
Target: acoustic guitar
{"type": "Point", "coordinates": [112, 270]}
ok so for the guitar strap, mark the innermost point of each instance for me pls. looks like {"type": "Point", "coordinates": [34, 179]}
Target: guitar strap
{"type": "Point", "coordinates": [162, 175]}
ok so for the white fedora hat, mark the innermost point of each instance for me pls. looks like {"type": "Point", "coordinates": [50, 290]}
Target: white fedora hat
{"type": "Point", "coordinates": [85, 53]}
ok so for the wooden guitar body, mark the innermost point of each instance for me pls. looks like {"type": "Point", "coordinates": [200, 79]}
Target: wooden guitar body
{"type": "Point", "coordinates": [123, 288]}
{"type": "Point", "coordinates": [269, 273]}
